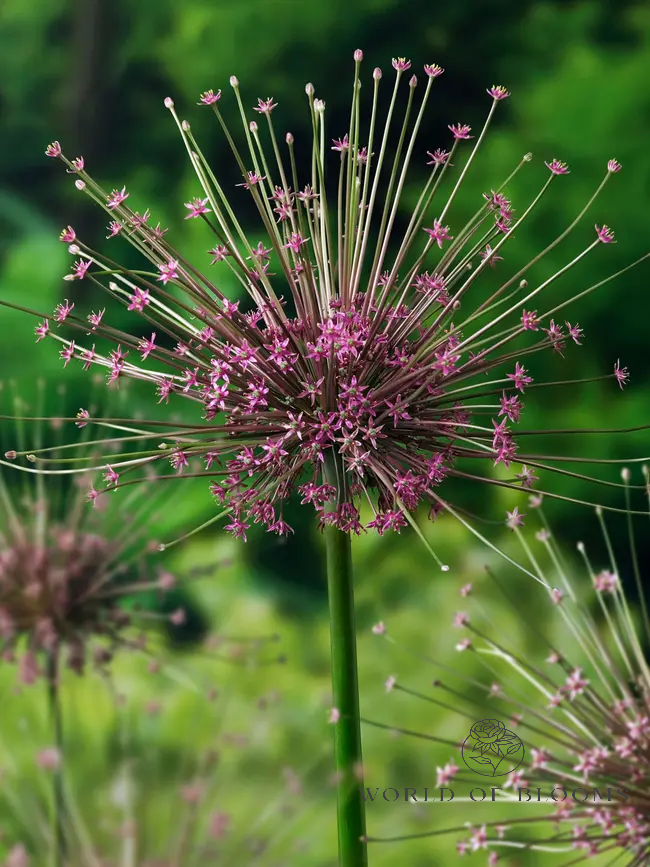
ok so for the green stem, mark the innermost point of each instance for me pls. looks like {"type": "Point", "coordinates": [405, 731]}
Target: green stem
{"type": "Point", "coordinates": [58, 810]}
{"type": "Point", "coordinates": [345, 689]}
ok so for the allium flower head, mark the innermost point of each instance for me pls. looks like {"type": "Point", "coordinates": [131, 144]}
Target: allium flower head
{"type": "Point", "coordinates": [582, 710]}
{"type": "Point", "coordinates": [351, 368]}
{"type": "Point", "coordinates": [73, 579]}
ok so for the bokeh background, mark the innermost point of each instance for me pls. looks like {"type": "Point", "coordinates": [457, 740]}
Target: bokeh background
{"type": "Point", "coordinates": [93, 75]}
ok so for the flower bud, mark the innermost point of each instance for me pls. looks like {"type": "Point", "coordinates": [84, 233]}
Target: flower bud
{"type": "Point", "coordinates": [234, 81]}
{"type": "Point", "coordinates": [358, 55]}
{"type": "Point", "coordinates": [169, 102]}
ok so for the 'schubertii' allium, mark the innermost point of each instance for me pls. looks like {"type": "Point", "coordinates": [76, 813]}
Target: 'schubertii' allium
{"type": "Point", "coordinates": [365, 361]}
{"type": "Point", "coordinates": [76, 583]}
{"type": "Point", "coordinates": [582, 710]}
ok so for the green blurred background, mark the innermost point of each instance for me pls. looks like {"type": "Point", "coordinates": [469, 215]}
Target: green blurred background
{"type": "Point", "coordinates": [93, 75]}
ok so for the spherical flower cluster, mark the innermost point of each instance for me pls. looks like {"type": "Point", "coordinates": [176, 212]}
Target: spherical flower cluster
{"type": "Point", "coordinates": [582, 711]}
{"type": "Point", "coordinates": [73, 580]}
{"type": "Point", "coordinates": [46, 595]}
{"type": "Point", "coordinates": [357, 366]}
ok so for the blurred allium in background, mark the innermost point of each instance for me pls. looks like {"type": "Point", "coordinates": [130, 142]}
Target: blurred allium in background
{"type": "Point", "coordinates": [76, 583]}
{"type": "Point", "coordinates": [77, 586]}
{"type": "Point", "coordinates": [583, 711]}
{"type": "Point", "coordinates": [371, 358]}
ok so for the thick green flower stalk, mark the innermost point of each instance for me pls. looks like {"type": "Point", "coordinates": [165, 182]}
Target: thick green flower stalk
{"type": "Point", "coordinates": [374, 349]}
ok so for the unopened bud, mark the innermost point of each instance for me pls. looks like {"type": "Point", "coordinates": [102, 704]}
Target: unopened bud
{"type": "Point", "coordinates": [79, 184]}
{"type": "Point", "coordinates": [309, 89]}
{"type": "Point", "coordinates": [358, 55]}
{"type": "Point", "coordinates": [289, 138]}
{"type": "Point", "coordinates": [252, 126]}
{"type": "Point", "coordinates": [74, 249]}
{"type": "Point", "coordinates": [581, 547]}
{"type": "Point", "coordinates": [625, 474]}
{"type": "Point", "coordinates": [528, 157]}
{"type": "Point", "coordinates": [11, 455]}
{"type": "Point", "coordinates": [523, 284]}
{"type": "Point", "coordinates": [185, 126]}
{"type": "Point", "coordinates": [376, 73]}
{"type": "Point", "coordinates": [234, 81]}
{"type": "Point", "coordinates": [169, 102]}
{"type": "Point", "coordinates": [413, 81]}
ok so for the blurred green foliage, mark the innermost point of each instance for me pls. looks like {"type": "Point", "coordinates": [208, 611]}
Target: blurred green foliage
{"type": "Point", "coordinates": [94, 74]}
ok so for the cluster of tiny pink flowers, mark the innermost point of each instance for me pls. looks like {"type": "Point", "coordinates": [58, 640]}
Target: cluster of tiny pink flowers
{"type": "Point", "coordinates": [356, 390]}
{"type": "Point", "coordinates": [73, 579]}
{"type": "Point", "coordinates": [596, 764]}
{"type": "Point", "coordinates": [64, 597]}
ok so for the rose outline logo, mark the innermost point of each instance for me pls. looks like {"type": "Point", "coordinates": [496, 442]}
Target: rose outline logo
{"type": "Point", "coordinates": [491, 749]}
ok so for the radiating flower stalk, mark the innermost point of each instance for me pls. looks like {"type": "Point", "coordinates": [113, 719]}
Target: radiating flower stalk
{"type": "Point", "coordinates": [365, 359]}
{"type": "Point", "coordinates": [77, 585]}
{"type": "Point", "coordinates": [582, 711]}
